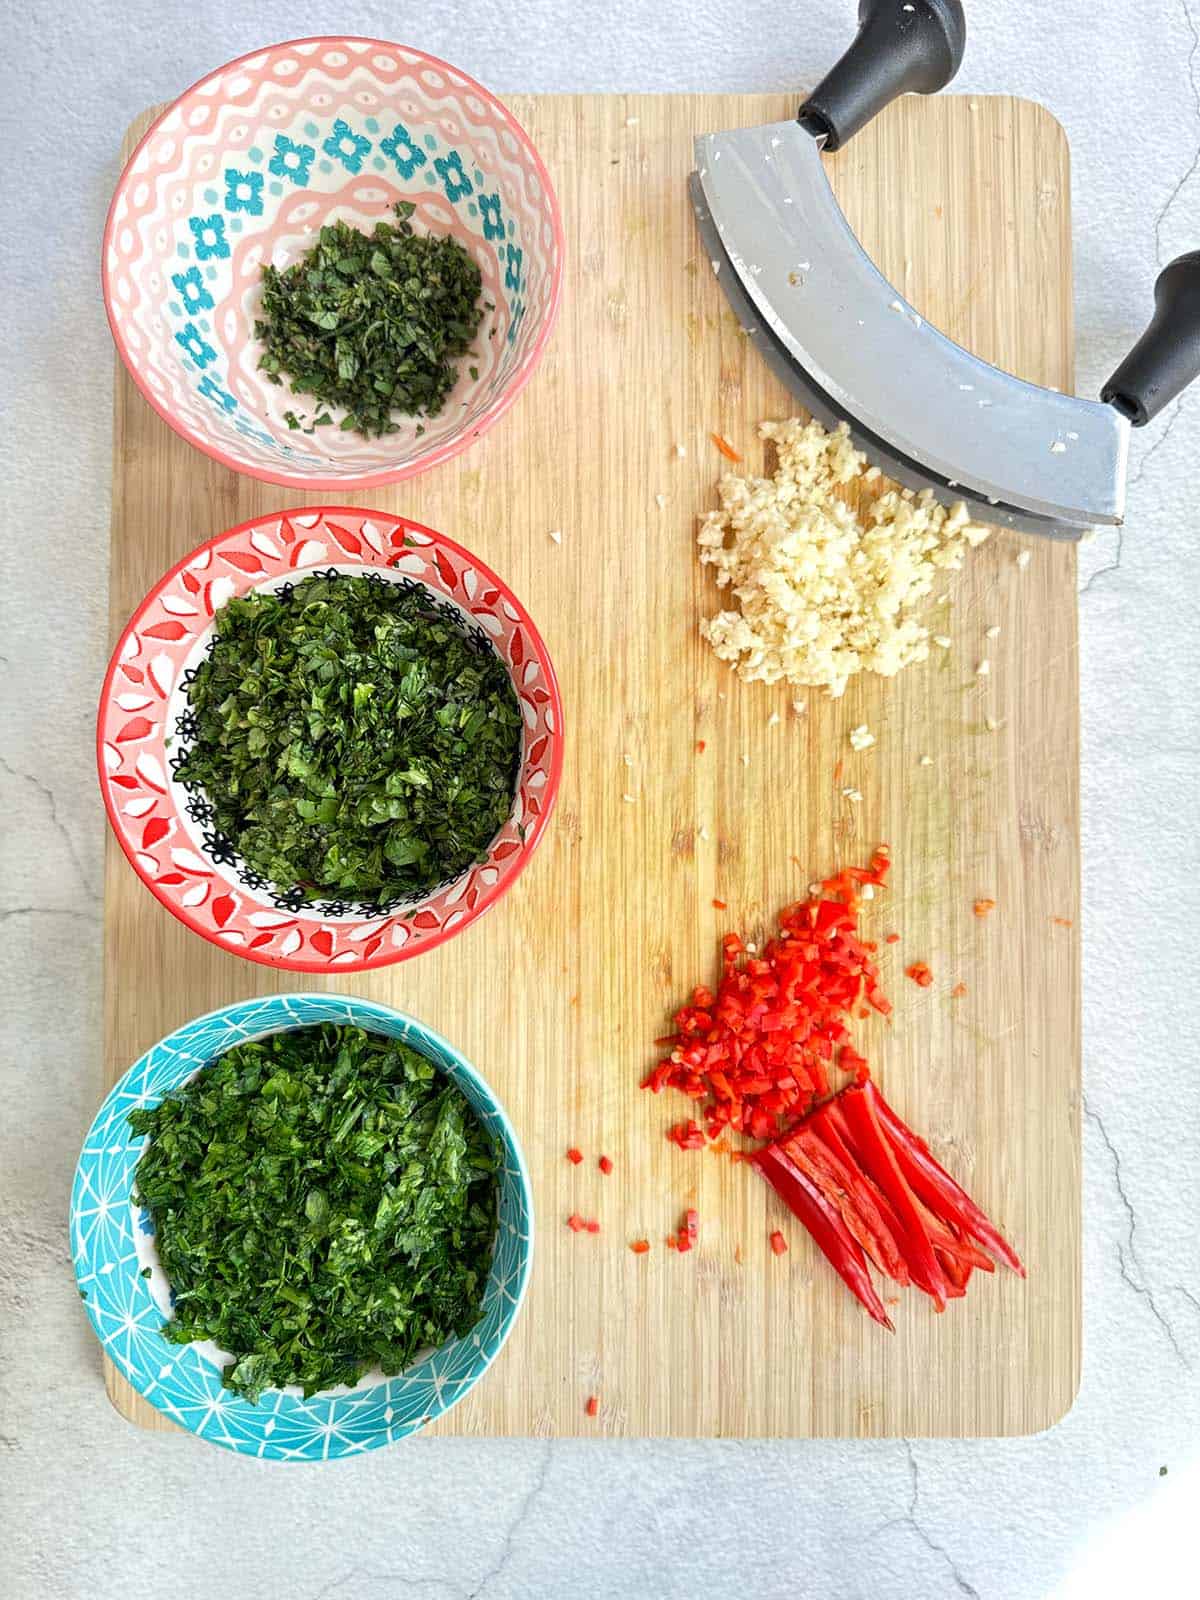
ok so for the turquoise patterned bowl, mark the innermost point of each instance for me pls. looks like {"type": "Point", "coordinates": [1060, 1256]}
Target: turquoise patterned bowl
{"type": "Point", "coordinates": [111, 1241]}
{"type": "Point", "coordinates": [245, 168]}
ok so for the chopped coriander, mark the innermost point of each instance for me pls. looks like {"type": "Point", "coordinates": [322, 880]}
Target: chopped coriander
{"type": "Point", "coordinates": [352, 738]}
{"type": "Point", "coordinates": [370, 322]}
{"type": "Point", "coordinates": [324, 1203]}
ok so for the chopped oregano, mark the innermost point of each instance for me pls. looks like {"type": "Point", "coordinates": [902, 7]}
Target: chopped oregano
{"type": "Point", "coordinates": [372, 322]}
{"type": "Point", "coordinates": [352, 738]}
{"type": "Point", "coordinates": [324, 1203]}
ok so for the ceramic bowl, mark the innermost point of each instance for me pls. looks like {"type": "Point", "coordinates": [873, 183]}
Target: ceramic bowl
{"type": "Point", "coordinates": [112, 1241]}
{"type": "Point", "coordinates": [144, 727]}
{"type": "Point", "coordinates": [243, 170]}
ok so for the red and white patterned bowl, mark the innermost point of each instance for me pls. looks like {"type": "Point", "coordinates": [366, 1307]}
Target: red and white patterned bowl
{"type": "Point", "coordinates": [245, 167]}
{"type": "Point", "coordinates": [166, 830]}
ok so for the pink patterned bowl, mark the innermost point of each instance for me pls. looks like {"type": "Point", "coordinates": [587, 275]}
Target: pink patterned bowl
{"type": "Point", "coordinates": [165, 827]}
{"type": "Point", "coordinates": [244, 169]}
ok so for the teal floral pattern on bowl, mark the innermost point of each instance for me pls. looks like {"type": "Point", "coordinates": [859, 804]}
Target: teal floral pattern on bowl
{"type": "Point", "coordinates": [112, 1241]}
{"type": "Point", "coordinates": [246, 167]}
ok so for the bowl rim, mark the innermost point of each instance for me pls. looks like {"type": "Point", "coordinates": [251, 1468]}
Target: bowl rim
{"type": "Point", "coordinates": [357, 1004]}
{"type": "Point", "coordinates": [487, 899]}
{"type": "Point", "coordinates": [431, 458]}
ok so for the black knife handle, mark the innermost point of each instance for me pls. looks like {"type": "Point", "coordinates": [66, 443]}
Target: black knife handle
{"type": "Point", "coordinates": [902, 47]}
{"type": "Point", "coordinates": [1167, 356]}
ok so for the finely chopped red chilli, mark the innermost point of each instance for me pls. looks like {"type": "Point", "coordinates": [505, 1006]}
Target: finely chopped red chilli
{"type": "Point", "coordinates": [755, 1055]}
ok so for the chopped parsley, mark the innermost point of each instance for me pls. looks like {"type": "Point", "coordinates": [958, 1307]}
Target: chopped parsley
{"type": "Point", "coordinates": [324, 1203]}
{"type": "Point", "coordinates": [352, 738]}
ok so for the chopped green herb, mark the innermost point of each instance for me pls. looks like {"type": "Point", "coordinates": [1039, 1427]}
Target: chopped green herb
{"type": "Point", "coordinates": [370, 322]}
{"type": "Point", "coordinates": [352, 739]}
{"type": "Point", "coordinates": [324, 1203]}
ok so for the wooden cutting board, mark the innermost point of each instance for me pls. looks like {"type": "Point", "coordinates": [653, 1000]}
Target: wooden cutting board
{"type": "Point", "coordinates": [560, 992]}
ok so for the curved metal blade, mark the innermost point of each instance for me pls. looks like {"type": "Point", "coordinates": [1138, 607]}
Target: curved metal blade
{"type": "Point", "coordinates": [927, 411]}
{"type": "Point", "coordinates": [818, 404]}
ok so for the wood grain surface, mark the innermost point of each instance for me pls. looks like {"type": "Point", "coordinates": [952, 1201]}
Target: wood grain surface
{"type": "Point", "coordinates": [558, 994]}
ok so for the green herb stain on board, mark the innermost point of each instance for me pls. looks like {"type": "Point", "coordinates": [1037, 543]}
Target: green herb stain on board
{"type": "Point", "coordinates": [324, 1202]}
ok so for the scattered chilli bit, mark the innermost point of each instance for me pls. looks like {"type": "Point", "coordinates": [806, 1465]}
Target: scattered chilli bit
{"type": "Point", "coordinates": [574, 1156]}
{"type": "Point", "coordinates": [701, 746]}
{"type": "Point", "coordinates": [605, 1164]}
{"type": "Point", "coordinates": [757, 1052]}
{"type": "Point", "coordinates": [593, 1405]}
{"type": "Point", "coordinates": [823, 592]}
{"type": "Point", "coordinates": [983, 908]}
{"type": "Point", "coordinates": [867, 1188]}
{"type": "Point", "coordinates": [920, 973]}
{"type": "Point", "coordinates": [592, 1225]}
{"type": "Point", "coordinates": [891, 938]}
{"type": "Point", "coordinates": [720, 905]}
{"type": "Point", "coordinates": [640, 1246]}
{"type": "Point", "coordinates": [1062, 922]}
{"type": "Point", "coordinates": [958, 991]}
{"type": "Point", "coordinates": [724, 446]}
{"type": "Point", "coordinates": [688, 1234]}
{"type": "Point", "coordinates": [687, 1135]}
{"type": "Point", "coordinates": [576, 1223]}
{"type": "Point", "coordinates": [778, 1243]}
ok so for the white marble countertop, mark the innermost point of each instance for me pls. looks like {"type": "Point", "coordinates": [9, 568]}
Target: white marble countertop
{"type": "Point", "coordinates": [1104, 1502]}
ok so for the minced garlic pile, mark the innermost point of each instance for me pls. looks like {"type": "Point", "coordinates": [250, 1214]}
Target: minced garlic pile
{"type": "Point", "coordinates": [823, 594]}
